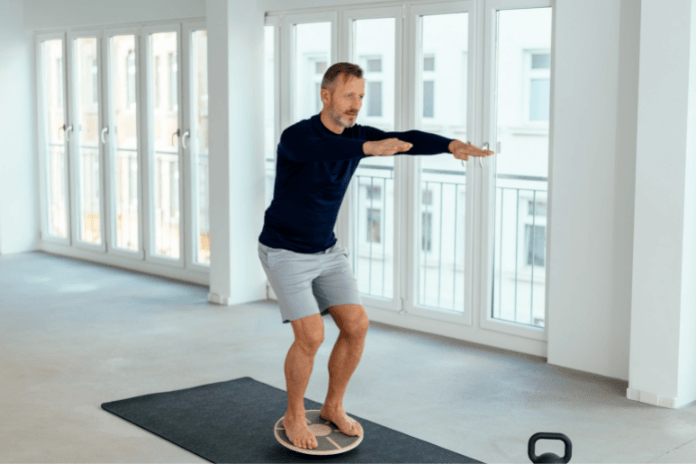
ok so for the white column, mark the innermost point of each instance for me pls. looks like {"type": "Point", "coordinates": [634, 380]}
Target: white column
{"type": "Point", "coordinates": [235, 80]}
{"type": "Point", "coordinates": [662, 367]}
{"type": "Point", "coordinates": [19, 172]}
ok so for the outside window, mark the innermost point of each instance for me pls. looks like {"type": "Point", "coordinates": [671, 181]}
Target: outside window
{"type": "Point", "coordinates": [374, 225]}
{"type": "Point", "coordinates": [426, 241]}
{"type": "Point", "coordinates": [95, 82]}
{"type": "Point", "coordinates": [539, 86]}
{"type": "Point", "coordinates": [130, 80]}
{"type": "Point", "coordinates": [158, 84]}
{"type": "Point", "coordinates": [172, 81]}
{"type": "Point", "coordinates": [535, 233]}
{"type": "Point", "coordinates": [59, 86]}
{"type": "Point", "coordinates": [372, 67]}
{"type": "Point", "coordinates": [429, 86]}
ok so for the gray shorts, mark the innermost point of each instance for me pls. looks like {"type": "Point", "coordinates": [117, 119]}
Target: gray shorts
{"type": "Point", "coordinates": [309, 283]}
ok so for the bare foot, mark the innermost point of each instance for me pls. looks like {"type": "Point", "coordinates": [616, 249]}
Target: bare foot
{"type": "Point", "coordinates": [299, 434]}
{"type": "Point", "coordinates": [339, 417]}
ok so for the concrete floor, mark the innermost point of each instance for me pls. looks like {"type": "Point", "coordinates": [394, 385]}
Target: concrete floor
{"type": "Point", "coordinates": [75, 334]}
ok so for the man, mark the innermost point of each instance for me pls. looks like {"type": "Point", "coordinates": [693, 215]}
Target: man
{"type": "Point", "coordinates": [307, 268]}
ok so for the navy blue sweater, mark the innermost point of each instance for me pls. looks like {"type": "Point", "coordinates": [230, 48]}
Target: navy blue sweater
{"type": "Point", "coordinates": [313, 169]}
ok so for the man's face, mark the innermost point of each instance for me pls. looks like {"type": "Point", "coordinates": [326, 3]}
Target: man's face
{"type": "Point", "coordinates": [343, 104]}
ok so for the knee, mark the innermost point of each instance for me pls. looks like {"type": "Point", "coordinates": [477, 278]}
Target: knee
{"type": "Point", "coordinates": [357, 328]}
{"type": "Point", "coordinates": [311, 342]}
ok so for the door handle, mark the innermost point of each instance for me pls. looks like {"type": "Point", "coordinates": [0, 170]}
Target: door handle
{"type": "Point", "coordinates": [183, 138]}
{"type": "Point", "coordinates": [177, 133]}
{"type": "Point", "coordinates": [106, 129]}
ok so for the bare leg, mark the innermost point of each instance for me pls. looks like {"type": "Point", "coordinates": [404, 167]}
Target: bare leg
{"type": "Point", "coordinates": [344, 359]}
{"type": "Point", "coordinates": [298, 368]}
{"type": "Point", "coordinates": [309, 334]}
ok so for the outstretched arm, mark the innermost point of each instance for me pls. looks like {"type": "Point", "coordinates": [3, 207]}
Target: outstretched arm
{"type": "Point", "coordinates": [422, 143]}
{"type": "Point", "coordinates": [383, 143]}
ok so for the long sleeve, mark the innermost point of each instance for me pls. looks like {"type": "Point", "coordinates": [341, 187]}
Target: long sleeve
{"type": "Point", "coordinates": [304, 146]}
{"type": "Point", "coordinates": [424, 143]}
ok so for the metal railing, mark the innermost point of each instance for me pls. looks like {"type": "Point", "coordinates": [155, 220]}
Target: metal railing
{"type": "Point", "coordinates": [498, 307]}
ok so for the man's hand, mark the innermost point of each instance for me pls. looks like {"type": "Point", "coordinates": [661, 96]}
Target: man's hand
{"type": "Point", "coordinates": [463, 150]}
{"type": "Point", "coordinates": [386, 147]}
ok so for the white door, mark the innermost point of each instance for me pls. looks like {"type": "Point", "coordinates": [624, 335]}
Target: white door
{"type": "Point", "coordinates": [87, 168]}
{"type": "Point", "coordinates": [163, 193]}
{"type": "Point", "coordinates": [194, 141]}
{"type": "Point", "coordinates": [121, 132]}
{"type": "Point", "coordinates": [54, 137]}
{"type": "Point", "coordinates": [514, 203]}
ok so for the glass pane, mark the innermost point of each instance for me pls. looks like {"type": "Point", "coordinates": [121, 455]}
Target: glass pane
{"type": "Point", "coordinates": [373, 189]}
{"type": "Point", "coordinates": [165, 177]}
{"type": "Point", "coordinates": [124, 80]}
{"type": "Point", "coordinates": [541, 61]}
{"type": "Point", "coordinates": [539, 99]}
{"type": "Point", "coordinates": [522, 168]}
{"type": "Point", "coordinates": [374, 107]}
{"type": "Point", "coordinates": [54, 149]}
{"type": "Point", "coordinates": [86, 123]}
{"type": "Point", "coordinates": [440, 260]}
{"type": "Point", "coordinates": [269, 146]}
{"type": "Point", "coordinates": [199, 146]}
{"type": "Point", "coordinates": [312, 54]}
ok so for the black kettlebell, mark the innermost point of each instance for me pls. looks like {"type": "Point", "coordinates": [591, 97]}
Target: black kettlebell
{"type": "Point", "coordinates": [549, 457]}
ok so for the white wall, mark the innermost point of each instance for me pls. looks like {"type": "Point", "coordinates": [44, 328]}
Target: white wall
{"type": "Point", "coordinates": [49, 14]}
{"type": "Point", "coordinates": [237, 167]}
{"type": "Point", "coordinates": [662, 368]}
{"type": "Point", "coordinates": [591, 185]}
{"type": "Point", "coordinates": [19, 200]}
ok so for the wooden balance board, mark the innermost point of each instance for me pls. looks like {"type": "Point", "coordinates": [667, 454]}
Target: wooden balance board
{"type": "Point", "coordinates": [329, 438]}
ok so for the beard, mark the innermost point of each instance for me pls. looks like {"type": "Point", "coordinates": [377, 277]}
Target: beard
{"type": "Point", "coordinates": [340, 118]}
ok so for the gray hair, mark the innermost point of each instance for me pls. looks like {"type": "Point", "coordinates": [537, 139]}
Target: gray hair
{"type": "Point", "coordinates": [331, 74]}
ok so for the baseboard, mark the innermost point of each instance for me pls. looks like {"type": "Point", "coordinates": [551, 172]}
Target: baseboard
{"type": "Point", "coordinates": [137, 265]}
{"type": "Point", "coordinates": [651, 398]}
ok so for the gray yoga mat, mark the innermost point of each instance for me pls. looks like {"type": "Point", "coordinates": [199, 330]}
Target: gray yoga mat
{"type": "Point", "coordinates": [233, 421]}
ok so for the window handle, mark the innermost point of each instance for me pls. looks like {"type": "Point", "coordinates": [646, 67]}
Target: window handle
{"type": "Point", "coordinates": [177, 133]}
{"type": "Point", "coordinates": [67, 130]}
{"type": "Point", "coordinates": [479, 158]}
{"type": "Point", "coordinates": [106, 129]}
{"type": "Point", "coordinates": [62, 128]}
{"type": "Point", "coordinates": [481, 162]}
{"type": "Point", "coordinates": [183, 138]}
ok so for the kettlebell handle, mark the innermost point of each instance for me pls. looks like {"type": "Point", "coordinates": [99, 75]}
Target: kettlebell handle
{"type": "Point", "coordinates": [549, 457]}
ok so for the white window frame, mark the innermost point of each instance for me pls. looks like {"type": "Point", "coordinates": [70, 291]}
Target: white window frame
{"type": "Point", "coordinates": [43, 138]}
{"type": "Point", "coordinates": [74, 164]}
{"type": "Point", "coordinates": [109, 109]}
{"type": "Point", "coordinates": [287, 55]}
{"type": "Point", "coordinates": [465, 318]}
{"type": "Point", "coordinates": [149, 152]}
{"type": "Point", "coordinates": [190, 177]}
{"type": "Point", "coordinates": [135, 260]}
{"type": "Point", "coordinates": [345, 227]}
{"type": "Point", "coordinates": [484, 262]}
{"type": "Point", "coordinates": [479, 191]}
